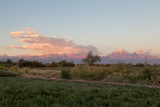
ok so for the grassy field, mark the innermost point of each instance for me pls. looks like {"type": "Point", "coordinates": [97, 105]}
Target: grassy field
{"type": "Point", "coordinates": [122, 73]}
{"type": "Point", "coordinates": [22, 92]}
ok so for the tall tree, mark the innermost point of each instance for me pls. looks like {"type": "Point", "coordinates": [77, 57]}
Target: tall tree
{"type": "Point", "coordinates": [91, 59]}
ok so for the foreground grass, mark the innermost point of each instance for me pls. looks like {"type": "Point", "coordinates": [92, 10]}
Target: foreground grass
{"type": "Point", "coordinates": [21, 92]}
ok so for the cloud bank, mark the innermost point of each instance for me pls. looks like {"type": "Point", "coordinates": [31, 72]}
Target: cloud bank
{"type": "Point", "coordinates": [146, 51]}
{"type": "Point", "coordinates": [35, 41]}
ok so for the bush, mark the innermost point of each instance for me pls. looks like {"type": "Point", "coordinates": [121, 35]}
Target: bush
{"type": "Point", "coordinates": [147, 73]}
{"type": "Point", "coordinates": [65, 74]}
{"type": "Point", "coordinates": [139, 65]}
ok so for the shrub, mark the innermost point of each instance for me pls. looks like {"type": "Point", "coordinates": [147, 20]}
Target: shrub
{"type": "Point", "coordinates": [155, 80]}
{"type": "Point", "coordinates": [147, 73]}
{"type": "Point", "coordinates": [65, 74]}
{"type": "Point", "coordinates": [139, 65]}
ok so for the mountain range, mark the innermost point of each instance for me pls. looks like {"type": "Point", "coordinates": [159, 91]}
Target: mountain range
{"type": "Point", "coordinates": [123, 56]}
{"type": "Point", "coordinates": [118, 56]}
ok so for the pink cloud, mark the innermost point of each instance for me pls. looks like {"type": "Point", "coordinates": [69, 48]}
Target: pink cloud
{"type": "Point", "coordinates": [139, 49]}
{"type": "Point", "coordinates": [29, 36]}
{"type": "Point", "coordinates": [50, 45]}
{"type": "Point", "coordinates": [17, 33]}
{"type": "Point", "coordinates": [29, 33]}
{"type": "Point", "coordinates": [148, 49]}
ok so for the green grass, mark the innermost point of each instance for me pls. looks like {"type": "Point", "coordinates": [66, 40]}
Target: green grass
{"type": "Point", "coordinates": [21, 92]}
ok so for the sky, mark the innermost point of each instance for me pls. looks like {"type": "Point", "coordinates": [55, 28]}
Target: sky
{"type": "Point", "coordinates": [78, 26]}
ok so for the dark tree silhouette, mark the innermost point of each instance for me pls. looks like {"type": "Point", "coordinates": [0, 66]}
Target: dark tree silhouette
{"type": "Point", "coordinates": [64, 63]}
{"type": "Point", "coordinates": [9, 63]}
{"type": "Point", "coordinates": [91, 59]}
{"type": "Point", "coordinates": [24, 63]}
{"type": "Point", "coordinates": [21, 62]}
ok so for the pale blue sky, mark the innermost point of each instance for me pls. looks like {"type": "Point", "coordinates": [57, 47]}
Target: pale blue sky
{"type": "Point", "coordinates": [106, 24]}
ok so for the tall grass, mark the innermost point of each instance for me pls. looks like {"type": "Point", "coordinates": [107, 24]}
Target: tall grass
{"type": "Point", "coordinates": [3, 68]}
{"type": "Point", "coordinates": [117, 73]}
{"type": "Point", "coordinates": [8, 74]}
{"type": "Point", "coordinates": [88, 72]}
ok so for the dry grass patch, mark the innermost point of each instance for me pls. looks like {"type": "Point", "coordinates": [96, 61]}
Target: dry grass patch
{"type": "Point", "coordinates": [45, 73]}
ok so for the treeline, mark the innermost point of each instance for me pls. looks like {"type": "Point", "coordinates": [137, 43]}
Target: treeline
{"type": "Point", "coordinates": [127, 65]}
{"type": "Point", "coordinates": [63, 63]}
{"type": "Point", "coordinates": [25, 63]}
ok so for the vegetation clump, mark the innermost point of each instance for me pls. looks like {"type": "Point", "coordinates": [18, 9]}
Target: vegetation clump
{"type": "Point", "coordinates": [8, 74]}
{"type": "Point", "coordinates": [65, 73]}
{"type": "Point", "coordinates": [3, 68]}
{"type": "Point", "coordinates": [88, 72]}
{"type": "Point", "coordinates": [147, 73]}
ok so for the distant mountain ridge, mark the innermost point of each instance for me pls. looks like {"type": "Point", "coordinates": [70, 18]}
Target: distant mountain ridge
{"type": "Point", "coordinates": [123, 54]}
{"type": "Point", "coordinates": [120, 55]}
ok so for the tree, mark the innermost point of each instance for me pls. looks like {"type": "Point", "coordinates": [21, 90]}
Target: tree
{"type": "Point", "coordinates": [53, 64]}
{"type": "Point", "coordinates": [9, 63]}
{"type": "Point", "coordinates": [64, 63]}
{"type": "Point", "coordinates": [36, 64]}
{"type": "Point", "coordinates": [21, 62]}
{"type": "Point", "coordinates": [91, 59]}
